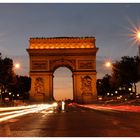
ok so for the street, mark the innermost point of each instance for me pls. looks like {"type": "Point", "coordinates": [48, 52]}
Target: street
{"type": "Point", "coordinates": [75, 121]}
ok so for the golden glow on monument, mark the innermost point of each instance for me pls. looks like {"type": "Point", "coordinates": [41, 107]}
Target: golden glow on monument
{"type": "Point", "coordinates": [78, 54]}
{"type": "Point", "coordinates": [67, 46]}
{"type": "Point", "coordinates": [62, 43]}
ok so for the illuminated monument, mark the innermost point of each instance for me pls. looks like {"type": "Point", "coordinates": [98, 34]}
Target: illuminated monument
{"type": "Point", "coordinates": [76, 53]}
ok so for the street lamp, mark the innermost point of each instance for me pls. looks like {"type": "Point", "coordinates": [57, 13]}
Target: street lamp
{"type": "Point", "coordinates": [138, 35]}
{"type": "Point", "coordinates": [138, 40]}
{"type": "Point", "coordinates": [135, 35]}
{"type": "Point", "coordinates": [108, 64]}
{"type": "Point", "coordinates": [17, 65]}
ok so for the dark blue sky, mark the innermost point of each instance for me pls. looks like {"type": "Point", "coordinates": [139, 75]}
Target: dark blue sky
{"type": "Point", "coordinates": [109, 23]}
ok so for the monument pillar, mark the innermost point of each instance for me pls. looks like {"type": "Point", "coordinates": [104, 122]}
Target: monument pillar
{"type": "Point", "coordinates": [85, 87]}
{"type": "Point", "coordinates": [41, 87]}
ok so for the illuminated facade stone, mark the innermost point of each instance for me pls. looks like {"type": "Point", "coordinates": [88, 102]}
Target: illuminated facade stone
{"type": "Point", "coordinates": [76, 53]}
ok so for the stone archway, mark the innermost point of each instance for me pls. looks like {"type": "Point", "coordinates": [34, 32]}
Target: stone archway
{"type": "Point", "coordinates": [62, 84]}
{"type": "Point", "coordinates": [76, 53]}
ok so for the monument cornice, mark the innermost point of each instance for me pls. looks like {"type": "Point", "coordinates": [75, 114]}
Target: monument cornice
{"type": "Point", "coordinates": [64, 52]}
{"type": "Point", "coordinates": [62, 39]}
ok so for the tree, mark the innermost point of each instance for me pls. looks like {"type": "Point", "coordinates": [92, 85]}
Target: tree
{"type": "Point", "coordinates": [21, 87]}
{"type": "Point", "coordinates": [126, 72]}
{"type": "Point", "coordinates": [7, 76]}
{"type": "Point", "coordinates": [104, 85]}
{"type": "Point", "coordinates": [12, 83]}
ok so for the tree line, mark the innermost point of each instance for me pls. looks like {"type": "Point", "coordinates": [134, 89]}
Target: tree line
{"type": "Point", "coordinates": [125, 74]}
{"type": "Point", "coordinates": [12, 86]}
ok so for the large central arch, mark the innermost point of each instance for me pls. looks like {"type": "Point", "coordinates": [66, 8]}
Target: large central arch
{"type": "Point", "coordinates": [62, 84]}
{"type": "Point", "coordinates": [76, 53]}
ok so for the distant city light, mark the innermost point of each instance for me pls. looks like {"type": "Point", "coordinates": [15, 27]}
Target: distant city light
{"type": "Point", "coordinates": [129, 89]}
{"type": "Point", "coordinates": [100, 98]}
{"type": "Point", "coordinates": [108, 93]}
{"type": "Point", "coordinates": [120, 96]}
{"type": "Point", "coordinates": [120, 88]}
{"type": "Point", "coordinates": [137, 96]}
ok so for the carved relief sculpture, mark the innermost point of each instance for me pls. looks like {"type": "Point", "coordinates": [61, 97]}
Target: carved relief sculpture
{"type": "Point", "coordinates": [39, 87]}
{"type": "Point", "coordinates": [39, 65]}
{"type": "Point", "coordinates": [86, 85]}
{"type": "Point", "coordinates": [86, 64]}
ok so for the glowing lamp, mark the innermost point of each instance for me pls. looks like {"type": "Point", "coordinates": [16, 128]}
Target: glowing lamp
{"type": "Point", "coordinates": [138, 35]}
{"type": "Point", "coordinates": [108, 64]}
{"type": "Point", "coordinates": [17, 65]}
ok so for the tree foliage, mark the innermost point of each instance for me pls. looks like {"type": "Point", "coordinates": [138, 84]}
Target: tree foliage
{"type": "Point", "coordinates": [126, 72]}
{"type": "Point", "coordinates": [103, 85]}
{"type": "Point", "coordinates": [7, 75]}
{"type": "Point", "coordinates": [125, 75]}
{"type": "Point", "coordinates": [10, 82]}
{"type": "Point", "coordinates": [21, 87]}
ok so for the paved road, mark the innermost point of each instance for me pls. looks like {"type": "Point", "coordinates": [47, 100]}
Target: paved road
{"type": "Point", "coordinates": [76, 122]}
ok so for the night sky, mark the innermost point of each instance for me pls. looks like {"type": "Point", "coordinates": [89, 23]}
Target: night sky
{"type": "Point", "coordinates": [110, 24]}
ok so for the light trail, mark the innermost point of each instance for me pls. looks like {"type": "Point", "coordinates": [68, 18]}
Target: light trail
{"type": "Point", "coordinates": [16, 108]}
{"type": "Point", "coordinates": [13, 112]}
{"type": "Point", "coordinates": [18, 114]}
{"type": "Point", "coordinates": [38, 107]}
{"type": "Point", "coordinates": [98, 108]}
{"type": "Point", "coordinates": [114, 108]}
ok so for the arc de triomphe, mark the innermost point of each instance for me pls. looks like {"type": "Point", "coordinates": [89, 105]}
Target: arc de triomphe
{"type": "Point", "coordinates": [76, 53]}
